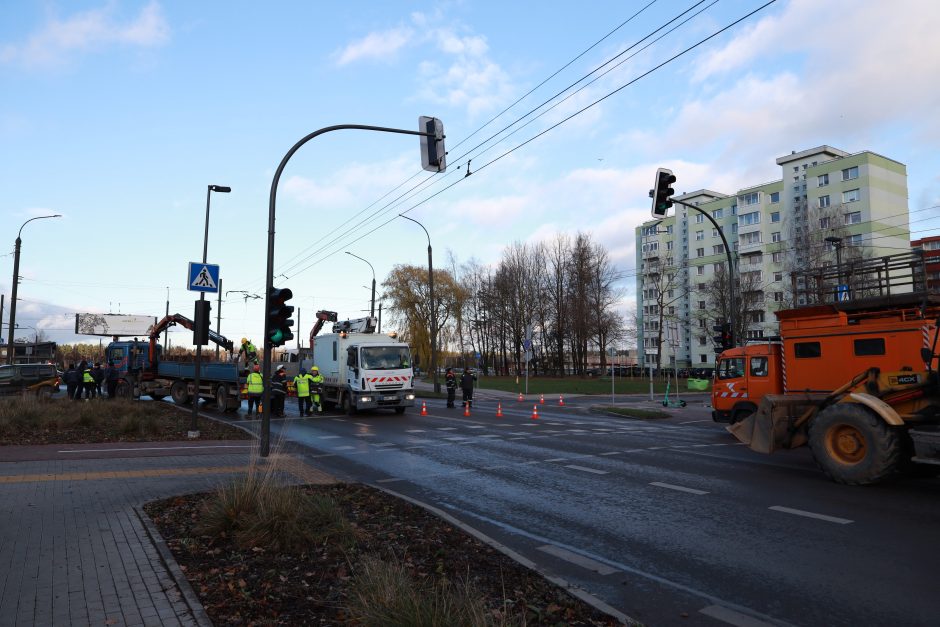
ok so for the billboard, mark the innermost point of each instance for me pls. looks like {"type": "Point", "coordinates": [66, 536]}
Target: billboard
{"type": "Point", "coordinates": [113, 324]}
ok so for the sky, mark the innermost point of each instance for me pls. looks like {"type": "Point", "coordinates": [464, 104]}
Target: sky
{"type": "Point", "coordinates": [117, 115]}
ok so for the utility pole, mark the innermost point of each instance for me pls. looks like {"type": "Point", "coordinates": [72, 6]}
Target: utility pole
{"type": "Point", "coordinates": [218, 319]}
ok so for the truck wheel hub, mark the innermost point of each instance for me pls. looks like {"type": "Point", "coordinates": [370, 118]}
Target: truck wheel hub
{"type": "Point", "coordinates": [846, 444]}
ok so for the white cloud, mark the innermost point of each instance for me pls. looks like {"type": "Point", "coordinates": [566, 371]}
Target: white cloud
{"type": "Point", "coordinates": [375, 46]}
{"type": "Point", "coordinates": [88, 30]}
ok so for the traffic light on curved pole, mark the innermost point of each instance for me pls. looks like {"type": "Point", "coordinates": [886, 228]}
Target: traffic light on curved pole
{"type": "Point", "coordinates": [279, 321]}
{"type": "Point", "coordinates": [662, 192]}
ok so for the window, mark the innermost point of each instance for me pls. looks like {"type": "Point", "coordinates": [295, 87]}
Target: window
{"type": "Point", "coordinates": [870, 346]}
{"type": "Point", "coordinates": [702, 359]}
{"type": "Point", "coordinates": [758, 366]}
{"type": "Point", "coordinates": [755, 316]}
{"type": "Point", "coordinates": [854, 217]}
{"type": "Point", "coordinates": [851, 195]}
{"type": "Point", "coordinates": [777, 257]}
{"type": "Point", "coordinates": [702, 323]}
{"type": "Point", "coordinates": [778, 276]}
{"type": "Point", "coordinates": [734, 228]}
{"type": "Point", "coordinates": [669, 229]}
{"type": "Point", "coordinates": [754, 278]}
{"type": "Point", "coordinates": [796, 168]}
{"type": "Point", "coordinates": [719, 249]}
{"type": "Point", "coordinates": [746, 239]}
{"type": "Point", "coordinates": [700, 270]}
{"type": "Point", "coordinates": [734, 210]}
{"type": "Point", "coordinates": [746, 219]}
{"type": "Point", "coordinates": [774, 197]}
{"type": "Point", "coordinates": [853, 240]}
{"type": "Point", "coordinates": [775, 216]}
{"type": "Point", "coordinates": [775, 236]}
{"type": "Point", "coordinates": [672, 310]}
{"type": "Point", "coordinates": [701, 304]}
{"type": "Point", "coordinates": [822, 180]}
{"type": "Point", "coordinates": [850, 173]}
{"type": "Point", "coordinates": [750, 199]}
{"type": "Point", "coordinates": [824, 222]}
{"type": "Point", "coordinates": [714, 232]}
{"type": "Point", "coordinates": [778, 297]}
{"type": "Point", "coordinates": [699, 252]}
{"type": "Point", "coordinates": [668, 245]}
{"type": "Point", "coordinates": [717, 213]}
{"type": "Point", "coordinates": [699, 236]}
{"type": "Point", "coordinates": [823, 202]}
{"type": "Point", "coordinates": [807, 350]}
{"type": "Point", "coordinates": [701, 340]}
{"type": "Point", "coordinates": [731, 368]}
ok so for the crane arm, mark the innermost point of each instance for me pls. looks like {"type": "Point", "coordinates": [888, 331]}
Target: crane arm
{"type": "Point", "coordinates": [185, 322]}
{"type": "Point", "coordinates": [322, 317]}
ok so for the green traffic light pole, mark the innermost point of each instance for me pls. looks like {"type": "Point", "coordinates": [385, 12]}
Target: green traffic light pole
{"type": "Point", "coordinates": [265, 445]}
{"type": "Point", "coordinates": [727, 252]}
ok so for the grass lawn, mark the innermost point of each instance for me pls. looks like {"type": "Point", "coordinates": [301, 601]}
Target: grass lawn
{"type": "Point", "coordinates": [576, 385]}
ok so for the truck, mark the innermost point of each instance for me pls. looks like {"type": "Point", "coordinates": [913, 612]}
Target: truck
{"type": "Point", "coordinates": [853, 373]}
{"type": "Point", "coordinates": [361, 369]}
{"type": "Point", "coordinates": [143, 371]}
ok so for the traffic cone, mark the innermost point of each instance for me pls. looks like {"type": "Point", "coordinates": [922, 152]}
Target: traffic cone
{"type": "Point", "coordinates": [424, 408]}
{"type": "Point", "coordinates": [535, 412]}
{"type": "Point", "coordinates": [499, 410]}
{"type": "Point", "coordinates": [542, 399]}
{"type": "Point", "coordinates": [520, 397]}
{"type": "Point", "coordinates": [561, 401]}
{"type": "Point", "coordinates": [466, 409]}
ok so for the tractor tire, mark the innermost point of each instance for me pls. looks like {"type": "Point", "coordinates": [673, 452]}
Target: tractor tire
{"type": "Point", "coordinates": [221, 397]}
{"type": "Point", "coordinates": [854, 446]}
{"type": "Point", "coordinates": [348, 407]}
{"type": "Point", "coordinates": [179, 392]}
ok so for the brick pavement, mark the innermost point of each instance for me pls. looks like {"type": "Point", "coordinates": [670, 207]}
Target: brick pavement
{"type": "Point", "coordinates": [74, 549]}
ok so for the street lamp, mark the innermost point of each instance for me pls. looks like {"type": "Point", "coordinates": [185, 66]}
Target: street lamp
{"type": "Point", "coordinates": [837, 242]}
{"type": "Point", "coordinates": [194, 425]}
{"type": "Point", "coordinates": [437, 384]}
{"type": "Point", "coordinates": [16, 280]}
{"type": "Point", "coordinates": [372, 306]}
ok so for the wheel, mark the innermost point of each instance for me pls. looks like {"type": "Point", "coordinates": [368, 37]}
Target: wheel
{"type": "Point", "coordinates": [221, 397]}
{"type": "Point", "coordinates": [348, 408]}
{"type": "Point", "coordinates": [123, 390]}
{"type": "Point", "coordinates": [681, 403]}
{"type": "Point", "coordinates": [327, 405]}
{"type": "Point", "coordinates": [179, 392]}
{"type": "Point", "coordinates": [665, 404]}
{"type": "Point", "coordinates": [854, 446]}
{"type": "Point", "coordinates": [399, 410]}
{"type": "Point", "coordinates": [740, 412]}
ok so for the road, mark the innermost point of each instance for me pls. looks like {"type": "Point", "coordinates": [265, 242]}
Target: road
{"type": "Point", "coordinates": [669, 521]}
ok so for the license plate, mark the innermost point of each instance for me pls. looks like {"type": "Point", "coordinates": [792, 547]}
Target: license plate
{"type": "Point", "coordinates": [390, 398]}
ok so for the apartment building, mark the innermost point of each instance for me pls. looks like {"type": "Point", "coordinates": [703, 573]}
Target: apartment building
{"type": "Point", "coordinates": [930, 247]}
{"type": "Point", "coordinates": [827, 204]}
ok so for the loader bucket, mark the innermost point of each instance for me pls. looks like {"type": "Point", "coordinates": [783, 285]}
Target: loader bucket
{"type": "Point", "coordinates": [778, 423]}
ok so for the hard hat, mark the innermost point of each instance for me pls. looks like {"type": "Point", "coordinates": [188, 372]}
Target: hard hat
{"type": "Point", "coordinates": [279, 368]}
{"type": "Point", "coordinates": [257, 368]}
{"type": "Point", "coordinates": [244, 340]}
{"type": "Point", "coordinates": [315, 368]}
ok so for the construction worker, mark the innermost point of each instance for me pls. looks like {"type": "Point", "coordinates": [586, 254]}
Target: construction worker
{"type": "Point", "coordinates": [251, 353]}
{"type": "Point", "coordinates": [302, 385]}
{"type": "Point", "coordinates": [317, 381]}
{"type": "Point", "coordinates": [88, 382]}
{"type": "Point", "coordinates": [278, 391]}
{"type": "Point", "coordinates": [450, 379]}
{"type": "Point", "coordinates": [466, 384]}
{"type": "Point", "coordinates": [255, 389]}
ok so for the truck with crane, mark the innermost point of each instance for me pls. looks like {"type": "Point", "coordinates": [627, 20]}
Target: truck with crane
{"type": "Point", "coordinates": [143, 371]}
{"type": "Point", "coordinates": [854, 373]}
{"type": "Point", "coordinates": [361, 369]}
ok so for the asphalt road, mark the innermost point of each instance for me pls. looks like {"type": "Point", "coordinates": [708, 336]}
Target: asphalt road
{"type": "Point", "coordinates": [670, 521]}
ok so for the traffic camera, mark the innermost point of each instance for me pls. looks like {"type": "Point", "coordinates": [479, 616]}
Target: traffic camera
{"type": "Point", "coordinates": [279, 317]}
{"type": "Point", "coordinates": [662, 192]}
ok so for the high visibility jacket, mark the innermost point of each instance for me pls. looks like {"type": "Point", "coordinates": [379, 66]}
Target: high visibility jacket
{"type": "Point", "coordinates": [317, 380]}
{"type": "Point", "coordinates": [302, 383]}
{"type": "Point", "coordinates": [255, 383]}
{"type": "Point", "coordinates": [87, 377]}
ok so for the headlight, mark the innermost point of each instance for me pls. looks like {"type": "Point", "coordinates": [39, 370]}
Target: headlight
{"type": "Point", "coordinates": [409, 397]}
{"type": "Point", "coordinates": [365, 399]}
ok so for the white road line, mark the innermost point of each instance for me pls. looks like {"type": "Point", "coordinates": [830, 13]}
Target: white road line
{"type": "Point", "coordinates": [476, 427]}
{"type": "Point", "coordinates": [382, 444]}
{"type": "Point", "coordinates": [343, 448]}
{"type": "Point", "coordinates": [689, 422]}
{"type": "Point", "coordinates": [518, 433]}
{"type": "Point", "coordinates": [447, 428]}
{"type": "Point", "coordinates": [389, 480]}
{"type": "Point", "coordinates": [456, 438]}
{"type": "Point", "coordinates": [678, 487]}
{"type": "Point", "coordinates": [557, 459]}
{"type": "Point", "coordinates": [800, 512]}
{"type": "Point", "coordinates": [327, 437]}
{"type": "Point", "coordinates": [732, 617]}
{"type": "Point", "coordinates": [362, 424]}
{"type": "Point", "coordinates": [578, 560]}
{"type": "Point", "coordinates": [490, 435]}
{"type": "Point", "coordinates": [611, 453]}
{"type": "Point", "coordinates": [364, 435]}
{"type": "Point", "coordinates": [153, 448]}
{"type": "Point", "coordinates": [503, 424]}
{"type": "Point", "coordinates": [590, 470]}
{"type": "Point", "coordinates": [517, 438]}
{"type": "Point", "coordinates": [414, 430]}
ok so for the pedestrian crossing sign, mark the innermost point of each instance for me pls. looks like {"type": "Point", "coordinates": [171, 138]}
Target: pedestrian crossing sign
{"type": "Point", "coordinates": [203, 277]}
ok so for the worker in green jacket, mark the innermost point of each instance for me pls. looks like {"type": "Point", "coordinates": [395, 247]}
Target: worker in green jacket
{"type": "Point", "coordinates": [317, 382]}
{"type": "Point", "coordinates": [302, 385]}
{"type": "Point", "coordinates": [88, 382]}
{"type": "Point", "coordinates": [255, 389]}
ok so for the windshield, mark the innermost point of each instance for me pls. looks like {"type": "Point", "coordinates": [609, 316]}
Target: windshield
{"type": "Point", "coordinates": [731, 368]}
{"type": "Point", "coordinates": [385, 357]}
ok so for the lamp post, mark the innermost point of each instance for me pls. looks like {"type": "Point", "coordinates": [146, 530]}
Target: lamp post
{"type": "Point", "coordinates": [837, 242]}
{"type": "Point", "coordinates": [194, 424]}
{"type": "Point", "coordinates": [372, 306]}
{"type": "Point", "coordinates": [16, 280]}
{"type": "Point", "coordinates": [437, 384]}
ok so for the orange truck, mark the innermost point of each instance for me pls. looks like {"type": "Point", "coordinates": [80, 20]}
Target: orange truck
{"type": "Point", "coordinates": [855, 379]}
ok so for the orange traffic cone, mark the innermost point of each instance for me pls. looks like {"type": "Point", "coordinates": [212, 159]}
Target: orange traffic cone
{"type": "Point", "coordinates": [499, 410]}
{"type": "Point", "coordinates": [520, 397]}
{"type": "Point", "coordinates": [535, 412]}
{"type": "Point", "coordinates": [561, 401]}
{"type": "Point", "coordinates": [424, 408]}
{"type": "Point", "coordinates": [466, 409]}
{"type": "Point", "coordinates": [542, 399]}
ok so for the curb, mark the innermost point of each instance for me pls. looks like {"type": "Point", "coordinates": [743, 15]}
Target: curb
{"type": "Point", "coordinates": [169, 562]}
{"type": "Point", "coordinates": [571, 589]}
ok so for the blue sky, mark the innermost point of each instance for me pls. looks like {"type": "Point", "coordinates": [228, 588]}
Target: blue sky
{"type": "Point", "coordinates": [118, 114]}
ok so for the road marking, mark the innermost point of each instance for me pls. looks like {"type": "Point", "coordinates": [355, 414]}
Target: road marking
{"type": "Point", "coordinates": [343, 448]}
{"type": "Point", "coordinates": [491, 435]}
{"type": "Point", "coordinates": [328, 437]}
{"type": "Point", "coordinates": [731, 617]}
{"type": "Point", "coordinates": [678, 487]}
{"type": "Point", "coordinates": [476, 427]}
{"type": "Point", "coordinates": [362, 424]}
{"type": "Point", "coordinates": [456, 438]}
{"type": "Point", "coordinates": [557, 459]}
{"type": "Point", "coordinates": [611, 453]}
{"type": "Point", "coordinates": [503, 424]}
{"type": "Point", "coordinates": [689, 422]}
{"type": "Point", "coordinates": [556, 424]}
{"type": "Point", "coordinates": [447, 428]}
{"type": "Point", "coordinates": [389, 480]}
{"type": "Point", "coordinates": [591, 470]}
{"type": "Point", "coordinates": [383, 444]}
{"type": "Point", "coordinates": [578, 560]}
{"type": "Point", "coordinates": [364, 435]}
{"type": "Point", "coordinates": [414, 430]}
{"type": "Point", "coordinates": [517, 438]}
{"type": "Point", "coordinates": [800, 512]}
{"type": "Point", "coordinates": [153, 448]}
{"type": "Point", "coordinates": [123, 474]}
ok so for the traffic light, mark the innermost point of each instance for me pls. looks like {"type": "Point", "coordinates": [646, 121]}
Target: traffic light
{"type": "Point", "coordinates": [279, 317]}
{"type": "Point", "coordinates": [662, 192]}
{"type": "Point", "coordinates": [433, 155]}
{"type": "Point", "coordinates": [724, 338]}
{"type": "Point", "coordinates": [201, 323]}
